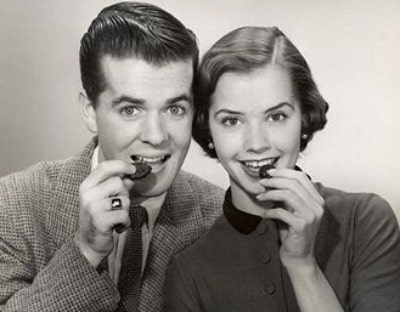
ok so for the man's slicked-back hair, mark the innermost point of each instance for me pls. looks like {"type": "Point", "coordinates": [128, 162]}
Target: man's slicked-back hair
{"type": "Point", "coordinates": [133, 29]}
{"type": "Point", "coordinates": [242, 51]}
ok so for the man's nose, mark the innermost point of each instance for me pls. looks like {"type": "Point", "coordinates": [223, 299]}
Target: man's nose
{"type": "Point", "coordinates": [154, 130]}
{"type": "Point", "coordinates": [256, 138]}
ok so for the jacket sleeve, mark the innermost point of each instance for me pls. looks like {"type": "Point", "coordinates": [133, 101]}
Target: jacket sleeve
{"type": "Point", "coordinates": [35, 274]}
{"type": "Point", "coordinates": [67, 283]}
{"type": "Point", "coordinates": [375, 262]}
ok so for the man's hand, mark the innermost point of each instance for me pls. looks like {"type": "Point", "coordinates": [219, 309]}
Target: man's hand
{"type": "Point", "coordinates": [94, 235]}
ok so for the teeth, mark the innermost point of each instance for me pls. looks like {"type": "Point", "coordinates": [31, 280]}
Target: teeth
{"type": "Point", "coordinates": [149, 160]}
{"type": "Point", "coordinates": [259, 163]}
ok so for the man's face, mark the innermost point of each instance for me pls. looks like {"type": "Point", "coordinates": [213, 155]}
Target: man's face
{"type": "Point", "coordinates": [145, 113]}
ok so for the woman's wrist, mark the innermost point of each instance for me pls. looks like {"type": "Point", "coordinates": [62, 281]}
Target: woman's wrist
{"type": "Point", "coordinates": [300, 267]}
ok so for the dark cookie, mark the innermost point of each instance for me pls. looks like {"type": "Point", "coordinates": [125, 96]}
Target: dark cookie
{"type": "Point", "coordinates": [142, 170]}
{"type": "Point", "coordinates": [263, 173]}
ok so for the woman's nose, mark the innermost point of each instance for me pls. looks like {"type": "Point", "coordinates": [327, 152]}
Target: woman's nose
{"type": "Point", "coordinates": [256, 138]}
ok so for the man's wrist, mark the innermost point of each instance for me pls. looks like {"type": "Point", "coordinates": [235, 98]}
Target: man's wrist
{"type": "Point", "coordinates": [92, 257]}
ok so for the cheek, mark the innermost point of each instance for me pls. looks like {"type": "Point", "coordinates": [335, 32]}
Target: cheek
{"type": "Point", "coordinates": [227, 146]}
{"type": "Point", "coordinates": [287, 140]}
{"type": "Point", "coordinates": [181, 133]}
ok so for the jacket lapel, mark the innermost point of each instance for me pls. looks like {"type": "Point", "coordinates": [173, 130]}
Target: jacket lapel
{"type": "Point", "coordinates": [178, 225]}
{"type": "Point", "coordinates": [63, 211]}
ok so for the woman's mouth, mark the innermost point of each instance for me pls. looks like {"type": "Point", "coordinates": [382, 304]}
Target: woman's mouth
{"type": "Point", "coordinates": [252, 167]}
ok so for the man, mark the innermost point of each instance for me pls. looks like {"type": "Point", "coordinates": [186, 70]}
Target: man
{"type": "Point", "coordinates": [66, 240]}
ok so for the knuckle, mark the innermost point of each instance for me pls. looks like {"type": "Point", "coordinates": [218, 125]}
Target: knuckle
{"type": "Point", "coordinates": [302, 224]}
{"type": "Point", "coordinates": [103, 166]}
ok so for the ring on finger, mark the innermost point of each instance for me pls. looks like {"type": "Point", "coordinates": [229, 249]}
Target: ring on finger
{"type": "Point", "coordinates": [116, 204]}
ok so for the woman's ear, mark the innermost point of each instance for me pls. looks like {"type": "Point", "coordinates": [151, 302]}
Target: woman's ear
{"type": "Point", "coordinates": [88, 112]}
{"type": "Point", "coordinates": [305, 121]}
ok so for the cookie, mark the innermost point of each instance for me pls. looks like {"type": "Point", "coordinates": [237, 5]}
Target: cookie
{"type": "Point", "coordinates": [142, 170]}
{"type": "Point", "coordinates": [263, 173]}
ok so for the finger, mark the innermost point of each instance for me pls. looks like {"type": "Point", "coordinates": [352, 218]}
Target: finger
{"type": "Point", "coordinates": [291, 200]}
{"type": "Point", "coordinates": [105, 170]}
{"type": "Point", "coordinates": [125, 203]}
{"type": "Point", "coordinates": [294, 186]}
{"type": "Point", "coordinates": [302, 178]}
{"type": "Point", "coordinates": [102, 218]}
{"type": "Point", "coordinates": [116, 219]}
{"type": "Point", "coordinates": [109, 188]}
{"type": "Point", "coordinates": [285, 216]}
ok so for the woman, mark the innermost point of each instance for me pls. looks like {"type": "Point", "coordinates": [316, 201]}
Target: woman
{"type": "Point", "coordinates": [284, 243]}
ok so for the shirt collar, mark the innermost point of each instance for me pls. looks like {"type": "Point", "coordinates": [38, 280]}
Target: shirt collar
{"type": "Point", "coordinates": [243, 222]}
{"type": "Point", "coordinates": [152, 205]}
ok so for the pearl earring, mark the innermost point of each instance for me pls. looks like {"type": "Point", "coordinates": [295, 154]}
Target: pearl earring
{"type": "Point", "coordinates": [210, 145]}
{"type": "Point", "coordinates": [304, 136]}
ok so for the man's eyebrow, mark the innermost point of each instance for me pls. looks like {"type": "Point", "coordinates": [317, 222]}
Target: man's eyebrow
{"type": "Point", "coordinates": [179, 98]}
{"type": "Point", "coordinates": [128, 99]}
{"type": "Point", "coordinates": [132, 100]}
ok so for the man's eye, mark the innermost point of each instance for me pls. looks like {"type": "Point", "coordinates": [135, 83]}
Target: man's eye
{"type": "Point", "coordinates": [129, 110]}
{"type": "Point", "coordinates": [176, 110]}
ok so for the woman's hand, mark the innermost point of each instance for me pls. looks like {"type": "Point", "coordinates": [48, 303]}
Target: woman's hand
{"type": "Point", "coordinates": [300, 208]}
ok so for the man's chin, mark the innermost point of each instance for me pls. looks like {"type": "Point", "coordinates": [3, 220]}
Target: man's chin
{"type": "Point", "coordinates": [149, 187]}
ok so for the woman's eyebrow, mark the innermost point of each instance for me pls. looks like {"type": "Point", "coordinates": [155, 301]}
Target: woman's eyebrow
{"type": "Point", "coordinates": [280, 105]}
{"type": "Point", "coordinates": [227, 111]}
{"type": "Point", "coordinates": [234, 112]}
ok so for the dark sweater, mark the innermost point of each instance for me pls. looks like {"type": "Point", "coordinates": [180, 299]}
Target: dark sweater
{"type": "Point", "coordinates": [236, 266]}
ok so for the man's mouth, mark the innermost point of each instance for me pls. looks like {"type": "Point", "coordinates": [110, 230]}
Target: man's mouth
{"type": "Point", "coordinates": [255, 165]}
{"type": "Point", "coordinates": [152, 161]}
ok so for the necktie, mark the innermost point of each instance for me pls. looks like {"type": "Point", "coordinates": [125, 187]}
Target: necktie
{"type": "Point", "coordinates": [131, 273]}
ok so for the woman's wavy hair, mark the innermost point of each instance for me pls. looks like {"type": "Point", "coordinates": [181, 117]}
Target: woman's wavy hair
{"type": "Point", "coordinates": [244, 50]}
{"type": "Point", "coordinates": [133, 29]}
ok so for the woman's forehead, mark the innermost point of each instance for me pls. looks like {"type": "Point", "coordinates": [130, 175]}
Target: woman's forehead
{"type": "Point", "coordinates": [264, 86]}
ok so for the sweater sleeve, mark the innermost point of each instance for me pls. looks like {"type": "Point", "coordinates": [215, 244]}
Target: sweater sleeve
{"type": "Point", "coordinates": [375, 261]}
{"type": "Point", "coordinates": [180, 290]}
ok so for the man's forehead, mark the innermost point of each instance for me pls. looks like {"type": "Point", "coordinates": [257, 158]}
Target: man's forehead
{"type": "Point", "coordinates": [135, 77]}
{"type": "Point", "coordinates": [133, 62]}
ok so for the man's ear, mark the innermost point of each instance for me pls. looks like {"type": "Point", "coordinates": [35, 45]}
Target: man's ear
{"type": "Point", "coordinates": [88, 112]}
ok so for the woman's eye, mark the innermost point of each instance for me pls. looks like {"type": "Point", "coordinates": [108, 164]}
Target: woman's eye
{"type": "Point", "coordinates": [277, 117]}
{"type": "Point", "coordinates": [230, 121]}
{"type": "Point", "coordinates": [176, 110]}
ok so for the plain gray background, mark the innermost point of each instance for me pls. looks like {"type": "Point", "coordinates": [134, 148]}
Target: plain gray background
{"type": "Point", "coordinates": [352, 47]}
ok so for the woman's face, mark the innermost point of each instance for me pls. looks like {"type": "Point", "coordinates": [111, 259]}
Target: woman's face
{"type": "Point", "coordinates": [255, 119]}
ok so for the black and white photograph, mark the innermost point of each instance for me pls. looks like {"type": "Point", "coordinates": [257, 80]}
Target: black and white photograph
{"type": "Point", "coordinates": [182, 155]}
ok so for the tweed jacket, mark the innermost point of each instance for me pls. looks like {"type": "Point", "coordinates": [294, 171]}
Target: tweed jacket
{"type": "Point", "coordinates": [41, 269]}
